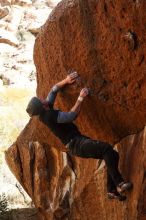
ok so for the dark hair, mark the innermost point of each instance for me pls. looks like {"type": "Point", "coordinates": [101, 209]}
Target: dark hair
{"type": "Point", "coordinates": [35, 106]}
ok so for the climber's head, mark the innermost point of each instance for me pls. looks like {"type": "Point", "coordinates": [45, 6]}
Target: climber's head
{"type": "Point", "coordinates": [35, 107]}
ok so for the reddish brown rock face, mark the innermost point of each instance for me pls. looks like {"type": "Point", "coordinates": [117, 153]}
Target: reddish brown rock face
{"type": "Point", "coordinates": [105, 43]}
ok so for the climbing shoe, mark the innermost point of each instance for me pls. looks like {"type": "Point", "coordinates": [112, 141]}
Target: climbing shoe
{"type": "Point", "coordinates": [116, 195]}
{"type": "Point", "coordinates": [124, 186]}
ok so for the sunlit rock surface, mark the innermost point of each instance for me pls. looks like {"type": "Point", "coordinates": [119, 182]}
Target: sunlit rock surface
{"type": "Point", "coordinates": [105, 43]}
{"type": "Point", "coordinates": [4, 11]}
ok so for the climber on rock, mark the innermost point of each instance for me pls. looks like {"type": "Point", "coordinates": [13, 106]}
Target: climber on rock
{"type": "Point", "coordinates": [77, 144]}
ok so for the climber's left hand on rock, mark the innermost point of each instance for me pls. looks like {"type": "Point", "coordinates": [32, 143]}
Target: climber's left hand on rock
{"type": "Point", "coordinates": [71, 78]}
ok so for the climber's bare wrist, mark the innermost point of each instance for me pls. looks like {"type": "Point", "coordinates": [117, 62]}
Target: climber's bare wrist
{"type": "Point", "coordinates": [80, 99]}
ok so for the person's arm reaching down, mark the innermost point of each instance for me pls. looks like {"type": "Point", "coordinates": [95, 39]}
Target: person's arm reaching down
{"type": "Point", "coordinates": [53, 92]}
{"type": "Point", "coordinates": [66, 117]}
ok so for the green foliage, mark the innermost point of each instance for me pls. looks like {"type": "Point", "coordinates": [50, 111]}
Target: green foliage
{"type": "Point", "coordinates": [3, 207]}
{"type": "Point", "coordinates": [3, 203]}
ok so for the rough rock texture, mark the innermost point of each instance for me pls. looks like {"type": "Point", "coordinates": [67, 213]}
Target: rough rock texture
{"type": "Point", "coordinates": [22, 214]}
{"type": "Point", "coordinates": [5, 2]}
{"type": "Point", "coordinates": [105, 42]}
{"type": "Point", "coordinates": [8, 38]}
{"type": "Point", "coordinates": [15, 2]}
{"type": "Point", "coordinates": [4, 11]}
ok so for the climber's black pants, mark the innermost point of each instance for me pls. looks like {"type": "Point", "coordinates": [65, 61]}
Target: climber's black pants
{"type": "Point", "coordinates": [85, 147]}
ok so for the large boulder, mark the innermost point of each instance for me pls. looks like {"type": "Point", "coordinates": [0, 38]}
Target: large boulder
{"type": "Point", "coordinates": [105, 43]}
{"type": "Point", "coordinates": [68, 188]}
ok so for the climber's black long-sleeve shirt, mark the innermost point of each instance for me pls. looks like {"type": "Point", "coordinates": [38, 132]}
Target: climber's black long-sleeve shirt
{"type": "Point", "coordinates": [64, 131]}
{"type": "Point", "coordinates": [59, 122]}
